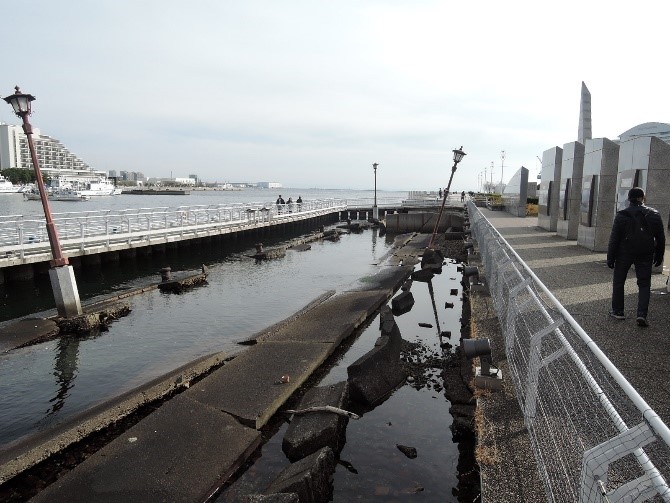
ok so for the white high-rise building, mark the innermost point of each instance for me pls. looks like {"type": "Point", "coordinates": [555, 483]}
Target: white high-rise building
{"type": "Point", "coordinates": [53, 156]}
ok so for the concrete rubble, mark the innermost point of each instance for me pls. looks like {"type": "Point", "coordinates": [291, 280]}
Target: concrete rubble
{"type": "Point", "coordinates": [375, 374]}
{"type": "Point", "coordinates": [182, 283]}
{"type": "Point", "coordinates": [402, 303]}
{"type": "Point", "coordinates": [89, 321]}
{"type": "Point", "coordinates": [270, 372]}
{"type": "Point", "coordinates": [311, 478]}
{"type": "Point", "coordinates": [310, 432]}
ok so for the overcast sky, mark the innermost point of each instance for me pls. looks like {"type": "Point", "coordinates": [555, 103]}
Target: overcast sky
{"type": "Point", "coordinates": [311, 93]}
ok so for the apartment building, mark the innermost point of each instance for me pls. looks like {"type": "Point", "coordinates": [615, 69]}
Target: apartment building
{"type": "Point", "coordinates": [51, 153]}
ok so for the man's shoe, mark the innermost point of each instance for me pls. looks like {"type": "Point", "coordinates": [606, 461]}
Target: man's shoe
{"type": "Point", "coordinates": [642, 321]}
{"type": "Point", "coordinates": [618, 315]}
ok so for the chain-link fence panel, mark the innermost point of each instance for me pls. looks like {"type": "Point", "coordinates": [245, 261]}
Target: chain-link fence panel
{"type": "Point", "coordinates": [594, 438]}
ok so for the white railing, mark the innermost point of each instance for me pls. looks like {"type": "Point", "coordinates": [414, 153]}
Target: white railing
{"type": "Point", "coordinates": [595, 439]}
{"type": "Point", "coordinates": [368, 202]}
{"type": "Point", "coordinates": [24, 239]}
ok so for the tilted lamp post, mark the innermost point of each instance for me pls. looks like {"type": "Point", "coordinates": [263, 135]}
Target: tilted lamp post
{"type": "Point", "coordinates": [375, 210]}
{"type": "Point", "coordinates": [63, 282]}
{"type": "Point", "coordinates": [458, 157]}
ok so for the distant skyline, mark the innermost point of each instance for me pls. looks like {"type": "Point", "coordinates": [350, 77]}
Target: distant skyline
{"type": "Point", "coordinates": [310, 94]}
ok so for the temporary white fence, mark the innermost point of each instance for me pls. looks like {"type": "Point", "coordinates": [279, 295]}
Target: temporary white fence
{"type": "Point", "coordinates": [594, 438]}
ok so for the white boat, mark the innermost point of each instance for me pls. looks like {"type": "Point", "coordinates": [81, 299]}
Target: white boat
{"type": "Point", "coordinates": [98, 187]}
{"type": "Point", "coordinates": [32, 195]}
{"type": "Point", "coordinates": [7, 187]}
{"type": "Point", "coordinates": [68, 195]}
{"type": "Point", "coordinates": [88, 186]}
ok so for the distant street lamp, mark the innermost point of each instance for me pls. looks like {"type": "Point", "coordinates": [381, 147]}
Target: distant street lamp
{"type": "Point", "coordinates": [458, 157]}
{"type": "Point", "coordinates": [491, 185]}
{"type": "Point", "coordinates": [375, 210]}
{"type": "Point", "coordinates": [63, 282]}
{"type": "Point", "coordinates": [502, 169]}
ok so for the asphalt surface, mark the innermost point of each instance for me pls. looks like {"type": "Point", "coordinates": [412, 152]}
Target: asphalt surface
{"type": "Point", "coordinates": [582, 282]}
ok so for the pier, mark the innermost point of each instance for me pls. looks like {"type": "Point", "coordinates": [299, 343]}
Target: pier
{"type": "Point", "coordinates": [24, 245]}
{"type": "Point", "coordinates": [24, 242]}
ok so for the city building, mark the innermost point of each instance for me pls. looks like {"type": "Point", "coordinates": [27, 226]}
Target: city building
{"type": "Point", "coordinates": [270, 185]}
{"type": "Point", "coordinates": [51, 153]}
{"type": "Point", "coordinates": [660, 130]}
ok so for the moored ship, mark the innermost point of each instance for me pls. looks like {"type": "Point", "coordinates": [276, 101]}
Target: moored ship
{"type": "Point", "coordinates": [87, 186]}
{"type": "Point", "coordinates": [7, 187]}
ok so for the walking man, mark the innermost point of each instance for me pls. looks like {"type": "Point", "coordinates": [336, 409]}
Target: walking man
{"type": "Point", "coordinates": [637, 238]}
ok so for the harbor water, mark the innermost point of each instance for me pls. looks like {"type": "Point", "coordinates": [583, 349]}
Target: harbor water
{"type": "Point", "coordinates": [27, 297]}
{"type": "Point", "coordinates": [49, 383]}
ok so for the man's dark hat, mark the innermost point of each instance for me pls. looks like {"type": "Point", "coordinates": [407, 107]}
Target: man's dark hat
{"type": "Point", "coordinates": [635, 193]}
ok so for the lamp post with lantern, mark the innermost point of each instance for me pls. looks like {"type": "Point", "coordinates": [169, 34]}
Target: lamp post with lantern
{"type": "Point", "coordinates": [375, 210]}
{"type": "Point", "coordinates": [458, 157]}
{"type": "Point", "coordinates": [63, 282]}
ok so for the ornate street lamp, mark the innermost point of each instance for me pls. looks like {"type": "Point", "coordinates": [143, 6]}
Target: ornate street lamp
{"type": "Point", "coordinates": [375, 210]}
{"type": "Point", "coordinates": [62, 276]}
{"type": "Point", "coordinates": [458, 157]}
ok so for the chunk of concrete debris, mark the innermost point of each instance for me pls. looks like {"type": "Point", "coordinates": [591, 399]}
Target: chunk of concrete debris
{"type": "Point", "coordinates": [402, 303]}
{"type": "Point", "coordinates": [410, 452]}
{"type": "Point", "coordinates": [301, 247]}
{"type": "Point", "coordinates": [86, 322]}
{"type": "Point", "coordinates": [310, 432]}
{"type": "Point", "coordinates": [422, 275]}
{"type": "Point", "coordinates": [179, 284]}
{"type": "Point", "coordinates": [431, 259]}
{"type": "Point", "coordinates": [378, 372]}
{"type": "Point", "coordinates": [311, 478]}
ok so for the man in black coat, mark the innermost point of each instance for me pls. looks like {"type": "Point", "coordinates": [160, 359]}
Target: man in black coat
{"type": "Point", "coordinates": [637, 238]}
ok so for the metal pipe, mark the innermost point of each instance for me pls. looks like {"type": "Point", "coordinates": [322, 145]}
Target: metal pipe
{"type": "Point", "coordinates": [52, 232]}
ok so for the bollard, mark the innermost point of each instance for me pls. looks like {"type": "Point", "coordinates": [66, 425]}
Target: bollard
{"type": "Point", "coordinates": [259, 247]}
{"type": "Point", "coordinates": [166, 274]}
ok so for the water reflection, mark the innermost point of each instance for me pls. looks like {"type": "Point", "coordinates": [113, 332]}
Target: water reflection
{"type": "Point", "coordinates": [431, 292]}
{"type": "Point", "coordinates": [65, 371]}
{"type": "Point", "coordinates": [164, 331]}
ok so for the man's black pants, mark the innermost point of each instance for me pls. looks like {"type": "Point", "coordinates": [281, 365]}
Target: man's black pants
{"type": "Point", "coordinates": [642, 273]}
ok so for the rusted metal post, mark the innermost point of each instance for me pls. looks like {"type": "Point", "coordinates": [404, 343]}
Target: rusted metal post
{"type": "Point", "coordinates": [458, 156]}
{"type": "Point", "coordinates": [61, 273]}
{"type": "Point", "coordinates": [56, 250]}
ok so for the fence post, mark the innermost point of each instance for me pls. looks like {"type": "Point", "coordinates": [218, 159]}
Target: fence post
{"type": "Point", "coordinates": [597, 460]}
{"type": "Point", "coordinates": [22, 251]}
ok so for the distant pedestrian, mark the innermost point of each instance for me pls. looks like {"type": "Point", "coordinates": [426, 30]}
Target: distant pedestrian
{"type": "Point", "coordinates": [637, 238]}
{"type": "Point", "coordinates": [289, 204]}
{"type": "Point", "coordinates": [462, 196]}
{"type": "Point", "coordinates": [299, 203]}
{"type": "Point", "coordinates": [440, 192]}
{"type": "Point", "coordinates": [280, 204]}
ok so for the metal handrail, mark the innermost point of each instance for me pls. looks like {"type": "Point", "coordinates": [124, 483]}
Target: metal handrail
{"type": "Point", "coordinates": [22, 237]}
{"type": "Point", "coordinates": [650, 417]}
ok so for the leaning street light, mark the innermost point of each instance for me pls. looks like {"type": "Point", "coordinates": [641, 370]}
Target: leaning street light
{"type": "Point", "coordinates": [63, 282]}
{"type": "Point", "coordinates": [458, 157]}
{"type": "Point", "coordinates": [375, 210]}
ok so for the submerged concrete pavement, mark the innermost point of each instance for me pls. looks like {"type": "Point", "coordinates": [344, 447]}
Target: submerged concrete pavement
{"type": "Point", "coordinates": [194, 441]}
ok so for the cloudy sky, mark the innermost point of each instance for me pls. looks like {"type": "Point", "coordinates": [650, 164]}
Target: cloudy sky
{"type": "Point", "coordinates": [310, 93]}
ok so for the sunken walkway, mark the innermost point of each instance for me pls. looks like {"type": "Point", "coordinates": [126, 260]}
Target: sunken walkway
{"type": "Point", "coordinates": [196, 440]}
